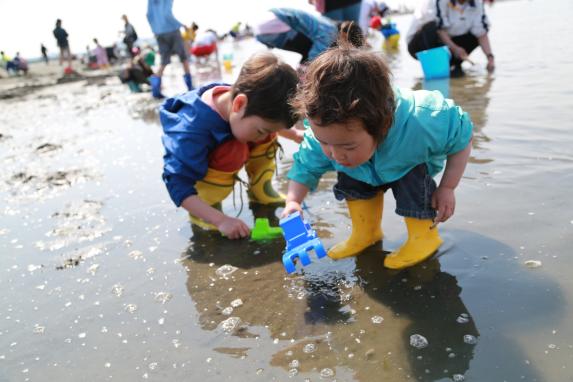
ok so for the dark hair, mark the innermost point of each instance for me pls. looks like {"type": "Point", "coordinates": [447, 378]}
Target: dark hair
{"type": "Point", "coordinates": [268, 83]}
{"type": "Point", "coordinates": [351, 32]}
{"type": "Point", "coordinates": [346, 83]}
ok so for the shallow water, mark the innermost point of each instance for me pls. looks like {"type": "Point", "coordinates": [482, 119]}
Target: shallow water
{"type": "Point", "coordinates": [103, 279]}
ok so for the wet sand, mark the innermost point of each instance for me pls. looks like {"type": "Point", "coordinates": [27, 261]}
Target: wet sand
{"type": "Point", "coordinates": [104, 279]}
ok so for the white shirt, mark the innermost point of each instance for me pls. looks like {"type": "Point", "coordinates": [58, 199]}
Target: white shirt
{"type": "Point", "coordinates": [457, 19]}
{"type": "Point", "coordinates": [205, 39]}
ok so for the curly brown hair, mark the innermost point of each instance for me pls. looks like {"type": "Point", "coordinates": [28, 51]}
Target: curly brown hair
{"type": "Point", "coordinates": [346, 83]}
{"type": "Point", "coordinates": [269, 84]}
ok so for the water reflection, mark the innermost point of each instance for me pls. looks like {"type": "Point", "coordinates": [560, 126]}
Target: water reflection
{"type": "Point", "coordinates": [431, 300]}
{"type": "Point", "coordinates": [330, 316]}
{"type": "Point", "coordinates": [471, 93]}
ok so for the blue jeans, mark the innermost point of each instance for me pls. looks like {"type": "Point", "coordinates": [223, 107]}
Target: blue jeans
{"type": "Point", "coordinates": [413, 192]}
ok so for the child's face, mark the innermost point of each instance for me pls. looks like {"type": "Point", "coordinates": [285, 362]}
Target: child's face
{"type": "Point", "coordinates": [348, 143]}
{"type": "Point", "coordinates": [252, 128]}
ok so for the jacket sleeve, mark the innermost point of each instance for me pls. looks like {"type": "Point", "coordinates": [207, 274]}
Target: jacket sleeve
{"type": "Point", "coordinates": [310, 162]}
{"type": "Point", "coordinates": [442, 18]}
{"type": "Point", "coordinates": [460, 131]}
{"type": "Point", "coordinates": [186, 155]}
{"type": "Point", "coordinates": [480, 24]}
{"type": "Point", "coordinates": [448, 129]}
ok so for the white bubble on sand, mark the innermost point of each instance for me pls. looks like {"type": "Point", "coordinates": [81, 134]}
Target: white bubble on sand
{"type": "Point", "coordinates": [135, 254]}
{"type": "Point", "coordinates": [377, 319]}
{"type": "Point", "coordinates": [463, 318]}
{"type": "Point", "coordinates": [82, 335]}
{"type": "Point", "coordinates": [294, 363]}
{"type": "Point", "coordinates": [225, 270]}
{"type": "Point", "coordinates": [130, 308]}
{"type": "Point", "coordinates": [293, 373]}
{"type": "Point", "coordinates": [117, 290]}
{"type": "Point", "coordinates": [326, 373]}
{"type": "Point", "coordinates": [33, 267]}
{"type": "Point", "coordinates": [469, 339]}
{"type": "Point", "coordinates": [163, 297]}
{"type": "Point", "coordinates": [236, 303]}
{"type": "Point", "coordinates": [93, 269]}
{"type": "Point", "coordinates": [533, 264]}
{"type": "Point", "coordinates": [418, 341]}
{"type": "Point", "coordinates": [230, 324]}
{"type": "Point", "coordinates": [227, 311]}
{"type": "Point", "coordinates": [309, 348]}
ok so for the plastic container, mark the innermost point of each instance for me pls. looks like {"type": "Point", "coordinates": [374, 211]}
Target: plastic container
{"type": "Point", "coordinates": [435, 62]}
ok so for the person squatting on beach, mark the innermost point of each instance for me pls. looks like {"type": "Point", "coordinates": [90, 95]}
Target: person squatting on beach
{"type": "Point", "coordinates": [376, 138]}
{"type": "Point", "coordinates": [462, 25]}
{"type": "Point", "coordinates": [166, 27]}
{"type": "Point", "coordinates": [212, 132]}
{"type": "Point", "coordinates": [136, 72]}
{"type": "Point", "coordinates": [301, 32]}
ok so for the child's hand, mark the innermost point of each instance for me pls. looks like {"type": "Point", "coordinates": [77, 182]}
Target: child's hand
{"type": "Point", "coordinates": [444, 201]}
{"type": "Point", "coordinates": [291, 207]}
{"type": "Point", "coordinates": [233, 228]}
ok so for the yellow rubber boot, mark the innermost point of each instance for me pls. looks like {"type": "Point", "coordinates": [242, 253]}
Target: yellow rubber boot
{"type": "Point", "coordinates": [366, 217]}
{"type": "Point", "coordinates": [260, 168]}
{"type": "Point", "coordinates": [422, 243]}
{"type": "Point", "coordinates": [213, 189]}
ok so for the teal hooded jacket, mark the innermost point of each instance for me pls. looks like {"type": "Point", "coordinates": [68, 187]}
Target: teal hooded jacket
{"type": "Point", "coordinates": [426, 129]}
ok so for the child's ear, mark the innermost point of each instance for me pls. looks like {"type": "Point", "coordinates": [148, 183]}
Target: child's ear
{"type": "Point", "coordinates": [239, 102]}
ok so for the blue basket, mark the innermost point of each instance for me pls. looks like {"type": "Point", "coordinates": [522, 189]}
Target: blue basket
{"type": "Point", "coordinates": [435, 62]}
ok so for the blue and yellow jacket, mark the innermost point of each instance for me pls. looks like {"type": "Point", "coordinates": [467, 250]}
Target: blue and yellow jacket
{"type": "Point", "coordinates": [192, 130]}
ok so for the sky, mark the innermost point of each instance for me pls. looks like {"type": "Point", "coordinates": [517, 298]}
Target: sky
{"type": "Point", "coordinates": [25, 24]}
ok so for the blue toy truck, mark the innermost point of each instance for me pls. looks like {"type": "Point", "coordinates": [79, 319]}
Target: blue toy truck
{"type": "Point", "coordinates": [300, 239]}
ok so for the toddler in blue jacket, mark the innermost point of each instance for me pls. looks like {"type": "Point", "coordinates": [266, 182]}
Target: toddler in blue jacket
{"type": "Point", "coordinates": [212, 132]}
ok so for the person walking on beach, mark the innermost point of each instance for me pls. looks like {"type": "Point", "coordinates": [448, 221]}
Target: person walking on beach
{"type": "Point", "coordinates": [44, 53]}
{"type": "Point", "coordinates": [462, 25]}
{"type": "Point", "coordinates": [130, 35]}
{"type": "Point", "coordinates": [166, 27]}
{"type": "Point", "coordinates": [62, 40]}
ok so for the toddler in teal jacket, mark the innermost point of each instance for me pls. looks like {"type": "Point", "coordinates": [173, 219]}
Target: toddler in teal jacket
{"type": "Point", "coordinates": [377, 138]}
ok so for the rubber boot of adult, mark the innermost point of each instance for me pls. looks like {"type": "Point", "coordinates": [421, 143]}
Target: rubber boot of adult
{"type": "Point", "coordinates": [155, 82]}
{"type": "Point", "coordinates": [188, 81]}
